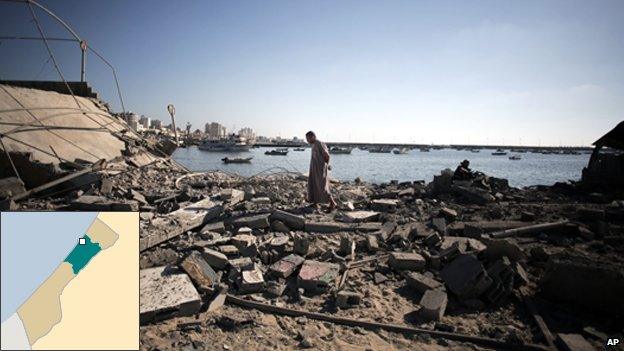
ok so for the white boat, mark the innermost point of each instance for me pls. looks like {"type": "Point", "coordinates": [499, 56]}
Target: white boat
{"type": "Point", "coordinates": [340, 150]}
{"type": "Point", "coordinates": [233, 143]}
{"type": "Point", "coordinates": [401, 151]}
{"type": "Point", "coordinates": [515, 157]}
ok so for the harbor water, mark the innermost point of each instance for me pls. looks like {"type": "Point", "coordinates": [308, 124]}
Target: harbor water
{"type": "Point", "coordinates": [532, 169]}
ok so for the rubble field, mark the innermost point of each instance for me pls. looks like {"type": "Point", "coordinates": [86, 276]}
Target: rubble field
{"type": "Point", "coordinates": [233, 263]}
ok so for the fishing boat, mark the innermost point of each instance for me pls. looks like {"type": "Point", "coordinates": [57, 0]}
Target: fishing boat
{"type": "Point", "coordinates": [227, 160]}
{"type": "Point", "coordinates": [299, 149]}
{"type": "Point", "coordinates": [425, 149]}
{"type": "Point", "coordinates": [475, 150]}
{"type": "Point", "coordinates": [233, 143]}
{"type": "Point", "coordinates": [499, 152]}
{"type": "Point", "coordinates": [340, 150]}
{"type": "Point", "coordinates": [515, 157]}
{"type": "Point", "coordinates": [277, 152]}
{"type": "Point", "coordinates": [401, 151]}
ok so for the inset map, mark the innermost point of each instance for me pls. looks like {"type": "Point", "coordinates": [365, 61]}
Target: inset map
{"type": "Point", "coordinates": [70, 280]}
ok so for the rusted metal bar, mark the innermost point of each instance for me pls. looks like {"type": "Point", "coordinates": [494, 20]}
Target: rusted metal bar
{"type": "Point", "coordinates": [528, 229]}
{"type": "Point", "coordinates": [528, 301]}
{"type": "Point", "coordinates": [397, 328]}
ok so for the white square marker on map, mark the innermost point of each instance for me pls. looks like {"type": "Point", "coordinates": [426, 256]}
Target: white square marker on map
{"type": "Point", "coordinates": [82, 241]}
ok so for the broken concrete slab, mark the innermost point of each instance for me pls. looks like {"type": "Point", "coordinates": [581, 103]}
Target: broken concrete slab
{"type": "Point", "coordinates": [215, 259]}
{"type": "Point", "coordinates": [315, 276]}
{"type": "Point", "coordinates": [421, 282]}
{"type": "Point", "coordinates": [360, 216]}
{"type": "Point", "coordinates": [574, 342]}
{"type": "Point", "coordinates": [242, 264]}
{"type": "Point", "coordinates": [199, 270]}
{"type": "Point", "coordinates": [407, 261]}
{"type": "Point", "coordinates": [178, 222]}
{"type": "Point", "coordinates": [466, 277]}
{"type": "Point", "coordinates": [433, 305]}
{"type": "Point", "coordinates": [326, 227]}
{"type": "Point", "coordinates": [232, 196]}
{"type": "Point", "coordinates": [11, 186]}
{"type": "Point", "coordinates": [384, 205]}
{"type": "Point", "coordinates": [448, 213]}
{"type": "Point", "coordinates": [286, 266]}
{"type": "Point", "coordinates": [473, 195]}
{"type": "Point", "coordinates": [166, 293]}
{"type": "Point", "coordinates": [260, 221]}
{"type": "Point", "coordinates": [217, 227]}
{"type": "Point", "coordinates": [291, 220]}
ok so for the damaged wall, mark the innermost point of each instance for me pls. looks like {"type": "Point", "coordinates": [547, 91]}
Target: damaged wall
{"type": "Point", "coordinates": [45, 127]}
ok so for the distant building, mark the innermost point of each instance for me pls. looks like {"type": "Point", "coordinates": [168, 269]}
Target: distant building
{"type": "Point", "coordinates": [146, 122]}
{"type": "Point", "coordinates": [215, 130]}
{"type": "Point", "coordinates": [247, 133]}
{"type": "Point", "coordinates": [156, 124]}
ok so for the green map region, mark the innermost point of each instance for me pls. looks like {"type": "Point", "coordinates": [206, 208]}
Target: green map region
{"type": "Point", "coordinates": [82, 254]}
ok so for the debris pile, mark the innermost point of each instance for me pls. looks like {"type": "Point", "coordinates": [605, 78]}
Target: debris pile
{"type": "Point", "coordinates": [429, 257]}
{"type": "Point", "coordinates": [244, 263]}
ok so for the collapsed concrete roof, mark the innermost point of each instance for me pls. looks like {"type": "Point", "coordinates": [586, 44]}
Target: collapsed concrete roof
{"type": "Point", "coordinates": [613, 139]}
{"type": "Point", "coordinates": [41, 127]}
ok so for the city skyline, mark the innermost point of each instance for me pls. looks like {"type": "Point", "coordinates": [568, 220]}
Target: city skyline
{"type": "Point", "coordinates": [530, 73]}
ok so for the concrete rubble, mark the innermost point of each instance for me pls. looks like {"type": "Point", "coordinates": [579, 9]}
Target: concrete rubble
{"type": "Point", "coordinates": [428, 256]}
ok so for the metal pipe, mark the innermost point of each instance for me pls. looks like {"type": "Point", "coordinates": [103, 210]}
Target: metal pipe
{"type": "Point", "coordinates": [83, 49]}
{"type": "Point", "coordinates": [37, 38]}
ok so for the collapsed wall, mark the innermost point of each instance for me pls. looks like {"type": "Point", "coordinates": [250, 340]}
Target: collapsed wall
{"type": "Point", "coordinates": [46, 133]}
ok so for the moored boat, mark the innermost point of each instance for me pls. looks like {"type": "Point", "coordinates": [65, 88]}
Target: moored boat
{"type": "Point", "coordinates": [340, 150]}
{"type": "Point", "coordinates": [236, 160]}
{"type": "Point", "coordinates": [277, 152]}
{"type": "Point", "coordinates": [233, 143]}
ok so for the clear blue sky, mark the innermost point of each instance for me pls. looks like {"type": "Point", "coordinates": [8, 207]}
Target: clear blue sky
{"type": "Point", "coordinates": [530, 72]}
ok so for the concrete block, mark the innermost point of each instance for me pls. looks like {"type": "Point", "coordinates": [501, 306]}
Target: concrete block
{"type": "Point", "coordinates": [420, 282]}
{"type": "Point", "coordinates": [466, 277]}
{"type": "Point", "coordinates": [242, 264]}
{"type": "Point", "coordinates": [301, 244]}
{"type": "Point", "coordinates": [260, 221]}
{"type": "Point", "coordinates": [347, 246]}
{"type": "Point", "coordinates": [407, 261]}
{"type": "Point", "coordinates": [574, 342]}
{"type": "Point", "coordinates": [448, 213]}
{"type": "Point", "coordinates": [286, 266]}
{"type": "Point", "coordinates": [360, 216]}
{"type": "Point", "coordinates": [166, 293]}
{"type": "Point", "coordinates": [347, 299]}
{"type": "Point", "coordinates": [232, 196]}
{"type": "Point", "coordinates": [229, 250]}
{"type": "Point", "coordinates": [251, 281]}
{"type": "Point", "coordinates": [293, 221]}
{"type": "Point", "coordinates": [315, 276]}
{"type": "Point", "coordinates": [217, 227]}
{"type": "Point", "coordinates": [199, 270]}
{"type": "Point", "coordinates": [215, 259]}
{"type": "Point", "coordinates": [372, 245]}
{"type": "Point", "coordinates": [384, 205]}
{"type": "Point", "coordinates": [261, 200]}
{"type": "Point", "coordinates": [433, 305]}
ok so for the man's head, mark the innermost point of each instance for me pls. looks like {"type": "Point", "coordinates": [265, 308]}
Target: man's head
{"type": "Point", "coordinates": [465, 163]}
{"type": "Point", "coordinates": [310, 137]}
